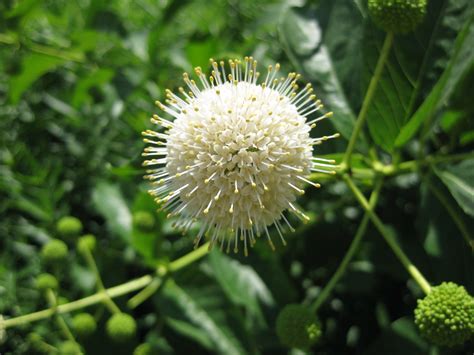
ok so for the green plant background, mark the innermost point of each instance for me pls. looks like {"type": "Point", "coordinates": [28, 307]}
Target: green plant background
{"type": "Point", "coordinates": [77, 84]}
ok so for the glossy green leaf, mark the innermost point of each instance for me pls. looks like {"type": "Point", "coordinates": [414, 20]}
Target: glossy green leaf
{"type": "Point", "coordinates": [301, 34]}
{"type": "Point", "coordinates": [110, 203]}
{"type": "Point", "coordinates": [391, 100]}
{"type": "Point", "coordinates": [33, 66]}
{"type": "Point", "coordinates": [459, 179]}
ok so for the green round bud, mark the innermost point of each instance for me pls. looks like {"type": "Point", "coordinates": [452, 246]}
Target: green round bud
{"type": "Point", "coordinates": [121, 327]}
{"type": "Point", "coordinates": [55, 250]}
{"type": "Point", "coordinates": [297, 327]}
{"type": "Point", "coordinates": [143, 349]}
{"type": "Point", "coordinates": [446, 315]}
{"type": "Point", "coordinates": [398, 16]}
{"type": "Point", "coordinates": [46, 281]}
{"type": "Point", "coordinates": [143, 220]}
{"type": "Point", "coordinates": [35, 342]}
{"type": "Point", "coordinates": [84, 324]}
{"type": "Point", "coordinates": [69, 347]}
{"type": "Point", "coordinates": [69, 226]}
{"type": "Point", "coordinates": [86, 242]}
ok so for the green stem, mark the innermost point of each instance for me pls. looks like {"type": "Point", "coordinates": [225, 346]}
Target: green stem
{"type": "Point", "coordinates": [113, 308]}
{"type": "Point", "coordinates": [189, 258]}
{"type": "Point", "coordinates": [389, 238]}
{"type": "Point", "coordinates": [350, 252]}
{"type": "Point", "coordinates": [144, 294]}
{"type": "Point", "coordinates": [98, 297]}
{"type": "Point", "coordinates": [368, 97]}
{"type": "Point", "coordinates": [59, 319]}
{"type": "Point", "coordinates": [443, 199]}
{"type": "Point", "coordinates": [148, 291]}
{"type": "Point", "coordinates": [412, 165]}
{"type": "Point", "coordinates": [116, 291]}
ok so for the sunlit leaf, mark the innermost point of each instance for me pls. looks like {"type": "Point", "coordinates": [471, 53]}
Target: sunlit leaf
{"type": "Point", "coordinates": [302, 36]}
{"type": "Point", "coordinates": [34, 65]}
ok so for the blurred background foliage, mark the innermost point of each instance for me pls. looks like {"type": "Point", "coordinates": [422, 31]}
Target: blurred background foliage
{"type": "Point", "coordinates": [77, 84]}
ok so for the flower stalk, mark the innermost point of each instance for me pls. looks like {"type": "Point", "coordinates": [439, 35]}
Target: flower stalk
{"type": "Point", "coordinates": [389, 238]}
{"type": "Point", "coordinates": [350, 252]}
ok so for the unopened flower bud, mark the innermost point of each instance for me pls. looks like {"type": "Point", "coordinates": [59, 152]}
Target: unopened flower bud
{"type": "Point", "coordinates": [398, 16]}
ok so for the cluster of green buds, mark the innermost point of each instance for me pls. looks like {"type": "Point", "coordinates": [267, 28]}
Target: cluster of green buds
{"type": "Point", "coordinates": [398, 16]}
{"type": "Point", "coordinates": [297, 327]}
{"type": "Point", "coordinates": [446, 315]}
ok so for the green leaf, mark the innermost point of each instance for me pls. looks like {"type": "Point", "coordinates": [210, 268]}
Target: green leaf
{"type": "Point", "coordinates": [449, 256]}
{"type": "Point", "coordinates": [242, 285]}
{"type": "Point", "coordinates": [386, 114]}
{"type": "Point", "coordinates": [301, 34]}
{"type": "Point", "coordinates": [459, 179]}
{"type": "Point", "coordinates": [189, 330]}
{"type": "Point", "coordinates": [189, 309]}
{"type": "Point", "coordinates": [34, 65]}
{"type": "Point", "coordinates": [401, 338]}
{"type": "Point", "coordinates": [459, 64]}
{"type": "Point", "coordinates": [109, 202]}
{"type": "Point", "coordinates": [95, 78]}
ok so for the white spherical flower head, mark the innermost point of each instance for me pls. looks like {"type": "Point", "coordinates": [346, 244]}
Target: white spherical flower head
{"type": "Point", "coordinates": [237, 154]}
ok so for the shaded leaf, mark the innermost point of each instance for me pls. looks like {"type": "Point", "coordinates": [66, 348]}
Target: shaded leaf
{"type": "Point", "coordinates": [197, 316]}
{"type": "Point", "coordinates": [402, 338]}
{"type": "Point", "coordinates": [459, 179]}
{"type": "Point", "coordinates": [242, 285]}
{"type": "Point", "coordinates": [460, 62]}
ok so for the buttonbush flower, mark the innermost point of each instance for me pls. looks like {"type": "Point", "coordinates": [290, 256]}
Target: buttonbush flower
{"type": "Point", "coordinates": [237, 153]}
{"type": "Point", "coordinates": [446, 315]}
{"type": "Point", "coordinates": [398, 16]}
